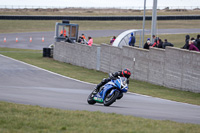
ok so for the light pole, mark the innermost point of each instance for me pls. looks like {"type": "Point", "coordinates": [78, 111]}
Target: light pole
{"type": "Point", "coordinates": [143, 22]}
{"type": "Point", "coordinates": [154, 19]}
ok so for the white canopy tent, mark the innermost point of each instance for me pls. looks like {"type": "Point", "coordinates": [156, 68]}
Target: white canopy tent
{"type": "Point", "coordinates": [123, 38]}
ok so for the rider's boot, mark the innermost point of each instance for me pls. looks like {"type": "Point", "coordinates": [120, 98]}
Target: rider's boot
{"type": "Point", "coordinates": [103, 82]}
{"type": "Point", "coordinates": [96, 89]}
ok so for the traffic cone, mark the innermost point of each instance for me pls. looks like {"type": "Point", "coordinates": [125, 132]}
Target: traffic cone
{"type": "Point", "coordinates": [42, 39]}
{"type": "Point", "coordinates": [30, 39]}
{"type": "Point", "coordinates": [16, 39]}
{"type": "Point", "coordinates": [4, 40]}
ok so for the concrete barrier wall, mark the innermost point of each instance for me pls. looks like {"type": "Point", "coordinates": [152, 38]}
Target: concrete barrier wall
{"type": "Point", "coordinates": [156, 66]}
{"type": "Point", "coordinates": [170, 67]}
{"type": "Point", "coordinates": [76, 54]}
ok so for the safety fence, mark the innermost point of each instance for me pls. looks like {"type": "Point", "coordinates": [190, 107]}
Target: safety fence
{"type": "Point", "coordinates": [100, 18]}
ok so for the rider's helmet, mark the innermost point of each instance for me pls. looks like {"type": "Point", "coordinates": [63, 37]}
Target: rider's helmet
{"type": "Point", "coordinates": [126, 73]}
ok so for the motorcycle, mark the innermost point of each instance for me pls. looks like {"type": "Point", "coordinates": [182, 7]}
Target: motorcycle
{"type": "Point", "coordinates": [109, 92]}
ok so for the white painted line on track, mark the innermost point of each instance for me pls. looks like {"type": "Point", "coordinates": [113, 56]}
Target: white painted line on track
{"type": "Point", "coordinates": [47, 70]}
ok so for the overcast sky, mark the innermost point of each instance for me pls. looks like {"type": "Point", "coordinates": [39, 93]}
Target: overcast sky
{"type": "Point", "coordinates": [100, 3]}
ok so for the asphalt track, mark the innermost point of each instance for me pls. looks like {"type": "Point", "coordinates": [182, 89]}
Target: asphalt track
{"type": "Point", "coordinates": [24, 38]}
{"type": "Point", "coordinates": [26, 84]}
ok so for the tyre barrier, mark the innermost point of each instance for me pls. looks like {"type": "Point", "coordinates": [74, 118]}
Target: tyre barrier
{"type": "Point", "coordinates": [95, 18]}
{"type": "Point", "coordinates": [46, 52]}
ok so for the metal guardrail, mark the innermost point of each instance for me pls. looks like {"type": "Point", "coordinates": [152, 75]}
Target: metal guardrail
{"type": "Point", "coordinates": [100, 18]}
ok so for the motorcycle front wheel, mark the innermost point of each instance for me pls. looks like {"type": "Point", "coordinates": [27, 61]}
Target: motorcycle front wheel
{"type": "Point", "coordinates": [111, 99]}
{"type": "Point", "coordinates": [90, 98]}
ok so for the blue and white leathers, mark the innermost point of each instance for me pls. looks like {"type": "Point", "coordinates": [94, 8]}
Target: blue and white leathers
{"type": "Point", "coordinates": [119, 84]}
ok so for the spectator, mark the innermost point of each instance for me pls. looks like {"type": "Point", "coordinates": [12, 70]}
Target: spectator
{"type": "Point", "coordinates": [192, 46]}
{"type": "Point", "coordinates": [198, 38]}
{"type": "Point", "coordinates": [80, 39]}
{"type": "Point", "coordinates": [112, 40]}
{"type": "Point", "coordinates": [90, 41]}
{"type": "Point", "coordinates": [67, 39]}
{"type": "Point", "coordinates": [154, 38]}
{"type": "Point", "coordinates": [132, 40]}
{"type": "Point", "coordinates": [147, 44]}
{"type": "Point", "coordinates": [166, 43]}
{"type": "Point", "coordinates": [156, 42]}
{"type": "Point", "coordinates": [63, 33]}
{"type": "Point", "coordinates": [198, 45]}
{"type": "Point", "coordinates": [83, 36]}
{"type": "Point", "coordinates": [198, 41]}
{"type": "Point", "coordinates": [187, 39]}
{"type": "Point", "coordinates": [160, 44]}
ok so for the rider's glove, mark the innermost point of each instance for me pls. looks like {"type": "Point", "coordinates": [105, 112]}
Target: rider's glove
{"type": "Point", "coordinates": [111, 76]}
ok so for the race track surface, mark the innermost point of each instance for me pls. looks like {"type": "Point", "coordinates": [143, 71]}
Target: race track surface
{"type": "Point", "coordinates": [26, 84]}
{"type": "Point", "coordinates": [24, 38]}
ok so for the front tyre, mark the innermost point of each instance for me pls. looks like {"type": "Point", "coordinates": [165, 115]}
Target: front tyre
{"type": "Point", "coordinates": [111, 99]}
{"type": "Point", "coordinates": [90, 98]}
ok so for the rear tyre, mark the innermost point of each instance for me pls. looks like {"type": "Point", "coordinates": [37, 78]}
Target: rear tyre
{"type": "Point", "coordinates": [111, 99]}
{"type": "Point", "coordinates": [90, 98]}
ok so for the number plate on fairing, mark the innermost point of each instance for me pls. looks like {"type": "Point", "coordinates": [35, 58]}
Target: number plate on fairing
{"type": "Point", "coordinates": [100, 100]}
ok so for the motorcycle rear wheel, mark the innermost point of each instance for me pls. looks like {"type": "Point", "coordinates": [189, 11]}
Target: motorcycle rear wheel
{"type": "Point", "coordinates": [111, 99]}
{"type": "Point", "coordinates": [90, 99]}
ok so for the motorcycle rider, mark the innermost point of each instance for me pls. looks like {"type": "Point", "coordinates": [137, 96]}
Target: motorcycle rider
{"type": "Point", "coordinates": [124, 73]}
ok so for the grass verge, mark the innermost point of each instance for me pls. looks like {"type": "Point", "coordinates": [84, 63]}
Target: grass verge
{"type": "Point", "coordinates": [26, 118]}
{"type": "Point", "coordinates": [14, 26]}
{"type": "Point", "coordinates": [94, 12]}
{"type": "Point", "coordinates": [94, 76]}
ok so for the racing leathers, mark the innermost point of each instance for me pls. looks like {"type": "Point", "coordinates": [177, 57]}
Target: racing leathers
{"type": "Point", "coordinates": [106, 80]}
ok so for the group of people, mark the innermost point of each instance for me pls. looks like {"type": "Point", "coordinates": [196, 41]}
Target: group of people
{"type": "Point", "coordinates": [82, 40]}
{"type": "Point", "coordinates": [192, 44]}
{"type": "Point", "coordinates": [157, 42]}
{"type": "Point", "coordinates": [131, 42]}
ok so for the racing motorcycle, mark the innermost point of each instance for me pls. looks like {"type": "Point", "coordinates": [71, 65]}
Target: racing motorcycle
{"type": "Point", "coordinates": [109, 92]}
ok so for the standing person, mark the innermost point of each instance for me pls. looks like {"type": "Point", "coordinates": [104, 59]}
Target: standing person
{"type": "Point", "coordinates": [90, 41]}
{"type": "Point", "coordinates": [83, 36]}
{"type": "Point", "coordinates": [187, 39]}
{"type": "Point", "coordinates": [132, 40]}
{"type": "Point", "coordinates": [63, 33]}
{"type": "Point", "coordinates": [156, 42]}
{"type": "Point", "coordinates": [154, 38]}
{"type": "Point", "coordinates": [166, 43]}
{"type": "Point", "coordinates": [112, 40]}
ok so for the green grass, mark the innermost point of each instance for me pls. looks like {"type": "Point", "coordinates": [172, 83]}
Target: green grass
{"type": "Point", "coordinates": [16, 118]}
{"type": "Point", "coordinates": [94, 12]}
{"type": "Point", "coordinates": [14, 26]}
{"type": "Point", "coordinates": [96, 76]}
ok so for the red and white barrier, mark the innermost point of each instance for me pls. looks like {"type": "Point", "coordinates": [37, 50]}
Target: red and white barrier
{"type": "Point", "coordinates": [42, 39]}
{"type": "Point", "coordinates": [17, 39]}
{"type": "Point", "coordinates": [31, 39]}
